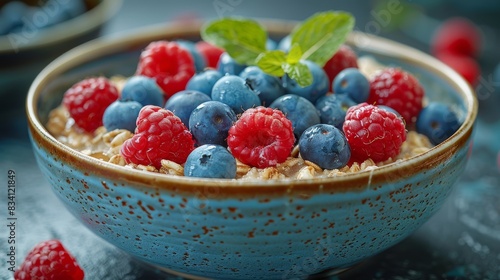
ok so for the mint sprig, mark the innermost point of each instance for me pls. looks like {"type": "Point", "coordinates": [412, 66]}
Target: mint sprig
{"type": "Point", "coordinates": [316, 39]}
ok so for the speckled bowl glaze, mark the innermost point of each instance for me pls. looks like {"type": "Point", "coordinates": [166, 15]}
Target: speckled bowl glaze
{"type": "Point", "coordinates": [230, 229]}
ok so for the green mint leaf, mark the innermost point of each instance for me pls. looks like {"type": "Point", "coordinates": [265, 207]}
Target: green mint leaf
{"type": "Point", "coordinates": [243, 39]}
{"type": "Point", "coordinates": [295, 54]}
{"type": "Point", "coordinates": [321, 35]}
{"type": "Point", "coordinates": [300, 73]}
{"type": "Point", "coordinates": [272, 62]}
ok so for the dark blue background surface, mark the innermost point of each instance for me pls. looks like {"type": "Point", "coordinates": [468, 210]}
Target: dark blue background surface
{"type": "Point", "coordinates": [462, 241]}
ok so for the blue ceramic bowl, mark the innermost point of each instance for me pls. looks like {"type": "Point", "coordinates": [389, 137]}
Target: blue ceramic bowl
{"type": "Point", "coordinates": [230, 229]}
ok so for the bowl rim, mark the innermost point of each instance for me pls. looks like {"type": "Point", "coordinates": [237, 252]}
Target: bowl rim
{"type": "Point", "coordinates": [358, 181]}
{"type": "Point", "coordinates": [71, 28]}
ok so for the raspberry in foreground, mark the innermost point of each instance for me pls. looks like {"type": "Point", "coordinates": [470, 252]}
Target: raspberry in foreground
{"type": "Point", "coordinates": [399, 90]}
{"type": "Point", "coordinates": [159, 135]}
{"type": "Point", "coordinates": [49, 260]}
{"type": "Point", "coordinates": [87, 100]}
{"type": "Point", "coordinates": [373, 133]}
{"type": "Point", "coordinates": [262, 137]}
{"type": "Point", "coordinates": [169, 64]}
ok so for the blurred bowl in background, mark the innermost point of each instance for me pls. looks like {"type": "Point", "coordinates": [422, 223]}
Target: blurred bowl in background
{"type": "Point", "coordinates": [27, 51]}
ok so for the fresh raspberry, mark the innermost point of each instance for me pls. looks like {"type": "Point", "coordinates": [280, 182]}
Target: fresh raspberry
{"type": "Point", "coordinates": [466, 66]}
{"type": "Point", "coordinates": [399, 90]}
{"type": "Point", "coordinates": [457, 36]}
{"type": "Point", "coordinates": [87, 100]}
{"type": "Point", "coordinates": [210, 52]}
{"type": "Point", "coordinates": [169, 64]}
{"type": "Point", "coordinates": [373, 133]}
{"type": "Point", "coordinates": [344, 58]}
{"type": "Point", "coordinates": [159, 135]}
{"type": "Point", "coordinates": [49, 260]}
{"type": "Point", "coordinates": [262, 137]}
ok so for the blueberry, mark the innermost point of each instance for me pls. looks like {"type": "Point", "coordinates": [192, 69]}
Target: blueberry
{"type": "Point", "coordinates": [210, 161]}
{"type": "Point", "coordinates": [266, 86]}
{"type": "Point", "coordinates": [184, 102]}
{"type": "Point", "coordinates": [210, 122]}
{"type": "Point", "coordinates": [143, 90]}
{"type": "Point", "coordinates": [318, 88]}
{"type": "Point", "coordinates": [235, 92]}
{"type": "Point", "coordinates": [204, 81]}
{"type": "Point", "coordinates": [300, 111]}
{"type": "Point", "coordinates": [353, 83]}
{"type": "Point", "coordinates": [437, 121]}
{"type": "Point", "coordinates": [285, 43]}
{"type": "Point", "coordinates": [199, 60]}
{"type": "Point", "coordinates": [227, 65]}
{"type": "Point", "coordinates": [325, 145]}
{"type": "Point", "coordinates": [332, 108]}
{"type": "Point", "coordinates": [121, 115]}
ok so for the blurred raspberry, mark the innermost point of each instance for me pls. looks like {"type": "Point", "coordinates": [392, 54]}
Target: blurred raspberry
{"type": "Point", "coordinates": [159, 135]}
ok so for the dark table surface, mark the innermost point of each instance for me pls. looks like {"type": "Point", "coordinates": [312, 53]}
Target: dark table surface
{"type": "Point", "coordinates": [462, 241]}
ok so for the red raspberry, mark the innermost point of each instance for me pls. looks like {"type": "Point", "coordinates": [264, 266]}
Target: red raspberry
{"type": "Point", "coordinates": [49, 260]}
{"type": "Point", "coordinates": [159, 135]}
{"type": "Point", "coordinates": [87, 100]}
{"type": "Point", "coordinates": [210, 52]}
{"type": "Point", "coordinates": [457, 36]}
{"type": "Point", "coordinates": [373, 133]}
{"type": "Point", "coordinates": [169, 64]}
{"type": "Point", "coordinates": [261, 137]}
{"type": "Point", "coordinates": [399, 90]}
{"type": "Point", "coordinates": [344, 58]}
